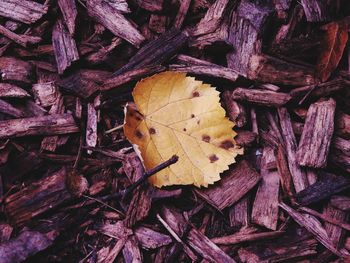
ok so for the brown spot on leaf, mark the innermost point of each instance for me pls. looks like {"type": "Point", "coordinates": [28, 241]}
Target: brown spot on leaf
{"type": "Point", "coordinates": [227, 144]}
{"type": "Point", "coordinates": [198, 122]}
{"type": "Point", "coordinates": [213, 158]}
{"type": "Point", "coordinates": [192, 115]}
{"type": "Point", "coordinates": [138, 134]}
{"type": "Point", "coordinates": [184, 129]}
{"type": "Point", "coordinates": [195, 94]}
{"type": "Point", "coordinates": [138, 118]}
{"type": "Point", "coordinates": [152, 130]}
{"type": "Point", "coordinates": [205, 138]}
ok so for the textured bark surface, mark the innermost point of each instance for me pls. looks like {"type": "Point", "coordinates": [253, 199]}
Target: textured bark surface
{"type": "Point", "coordinates": [233, 186]}
{"type": "Point", "coordinates": [265, 206]}
{"type": "Point", "coordinates": [317, 134]}
{"type": "Point", "coordinates": [114, 21]}
{"type": "Point", "coordinates": [24, 11]}
{"type": "Point", "coordinates": [261, 97]}
{"type": "Point", "coordinates": [65, 48]}
{"type": "Point", "coordinates": [298, 174]}
{"type": "Point", "coordinates": [45, 125]}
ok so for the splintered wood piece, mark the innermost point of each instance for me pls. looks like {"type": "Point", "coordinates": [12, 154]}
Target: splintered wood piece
{"type": "Point", "coordinates": [26, 244]}
{"type": "Point", "coordinates": [315, 10]}
{"type": "Point", "coordinates": [15, 69]}
{"type": "Point", "coordinates": [103, 53]}
{"type": "Point", "coordinates": [326, 186]}
{"type": "Point", "coordinates": [244, 236]}
{"type": "Point", "coordinates": [195, 239]}
{"type": "Point", "coordinates": [235, 111]}
{"type": "Point", "coordinates": [151, 5]}
{"type": "Point", "coordinates": [42, 125]}
{"type": "Point", "coordinates": [64, 46]}
{"type": "Point", "coordinates": [156, 52]}
{"type": "Point", "coordinates": [261, 97]}
{"type": "Point", "coordinates": [48, 193]}
{"type": "Point", "coordinates": [298, 174]}
{"type": "Point", "coordinates": [22, 40]}
{"type": "Point", "coordinates": [317, 134]}
{"type": "Point", "coordinates": [117, 230]}
{"type": "Point", "coordinates": [245, 31]}
{"type": "Point", "coordinates": [12, 91]}
{"type": "Point", "coordinates": [24, 11]}
{"type": "Point", "coordinates": [85, 82]}
{"type": "Point", "coordinates": [69, 12]}
{"type": "Point", "coordinates": [279, 251]}
{"type": "Point", "coordinates": [341, 202]}
{"type": "Point", "coordinates": [211, 21]}
{"type": "Point", "coordinates": [109, 256]}
{"type": "Point", "coordinates": [118, 80]}
{"type": "Point", "coordinates": [131, 251]}
{"type": "Point", "coordinates": [188, 60]}
{"type": "Point", "coordinates": [150, 239]}
{"type": "Point", "coordinates": [181, 13]}
{"type": "Point", "coordinates": [10, 110]}
{"type": "Point", "coordinates": [45, 94]}
{"type": "Point", "coordinates": [219, 35]}
{"type": "Point", "coordinates": [314, 227]}
{"type": "Point", "coordinates": [91, 124]}
{"type": "Point", "coordinates": [211, 70]}
{"type": "Point", "coordinates": [265, 206]}
{"type": "Point", "coordinates": [335, 233]}
{"type": "Point", "coordinates": [273, 70]}
{"type": "Point", "coordinates": [140, 204]}
{"type": "Point", "coordinates": [232, 187]}
{"type": "Point", "coordinates": [109, 17]}
{"type": "Point", "coordinates": [239, 212]}
{"type": "Point", "coordinates": [320, 90]}
{"type": "Point", "coordinates": [325, 218]}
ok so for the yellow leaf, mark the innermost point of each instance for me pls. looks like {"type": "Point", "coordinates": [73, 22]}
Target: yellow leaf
{"type": "Point", "coordinates": [175, 114]}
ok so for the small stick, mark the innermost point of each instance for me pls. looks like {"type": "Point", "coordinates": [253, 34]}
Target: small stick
{"type": "Point", "coordinates": [143, 179]}
{"type": "Point", "coordinates": [119, 127]}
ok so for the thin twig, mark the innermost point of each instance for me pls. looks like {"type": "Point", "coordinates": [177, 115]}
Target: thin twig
{"type": "Point", "coordinates": [119, 127]}
{"type": "Point", "coordinates": [143, 179]}
{"type": "Point", "coordinates": [102, 203]}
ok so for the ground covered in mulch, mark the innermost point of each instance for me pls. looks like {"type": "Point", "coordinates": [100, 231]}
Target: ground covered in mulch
{"type": "Point", "coordinates": [68, 190]}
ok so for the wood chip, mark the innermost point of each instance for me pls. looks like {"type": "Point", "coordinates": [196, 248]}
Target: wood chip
{"type": "Point", "coordinates": [317, 134]}
{"type": "Point", "coordinates": [43, 125]}
{"type": "Point", "coordinates": [265, 206]}
{"type": "Point", "coordinates": [298, 174]}
{"type": "Point", "coordinates": [233, 186]}
{"type": "Point", "coordinates": [114, 21]}
{"type": "Point", "coordinates": [326, 186]}
{"type": "Point", "coordinates": [24, 11]}
{"type": "Point", "coordinates": [64, 46]}
{"type": "Point", "coordinates": [261, 97]}
{"type": "Point", "coordinates": [69, 12]}
{"type": "Point", "coordinates": [26, 244]}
